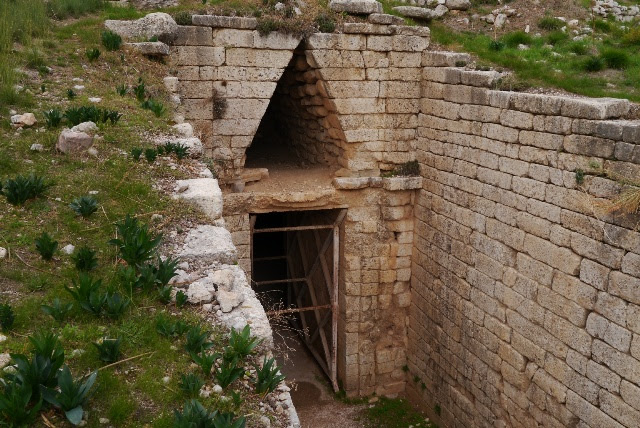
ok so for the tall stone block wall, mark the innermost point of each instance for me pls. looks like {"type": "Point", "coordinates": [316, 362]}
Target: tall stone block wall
{"type": "Point", "coordinates": [525, 297]}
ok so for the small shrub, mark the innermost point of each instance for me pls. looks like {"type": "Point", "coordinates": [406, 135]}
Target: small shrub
{"type": "Point", "coordinates": [496, 45]}
{"type": "Point", "coordinates": [228, 371]}
{"type": "Point", "coordinates": [156, 107]}
{"type": "Point", "coordinates": [461, 63]}
{"type": "Point", "coordinates": [579, 48]}
{"type": "Point", "coordinates": [84, 206]}
{"type": "Point", "coordinates": [71, 395]}
{"type": "Point", "coordinates": [190, 384]}
{"type": "Point", "coordinates": [53, 118]}
{"type": "Point", "coordinates": [57, 310]}
{"type": "Point", "coordinates": [197, 340]}
{"type": "Point", "coordinates": [516, 38]}
{"type": "Point", "coordinates": [150, 155]}
{"type": "Point", "coordinates": [71, 94]}
{"type": "Point", "coordinates": [205, 361]}
{"type": "Point", "coordinates": [615, 58]}
{"type": "Point", "coordinates": [20, 189]}
{"type": "Point", "coordinates": [267, 377]}
{"type": "Point", "coordinates": [108, 349]}
{"type": "Point", "coordinates": [166, 270]}
{"type": "Point", "coordinates": [182, 18]}
{"type": "Point", "coordinates": [140, 90]}
{"type": "Point", "coordinates": [7, 316]}
{"type": "Point", "coordinates": [136, 152]}
{"type": "Point", "coordinates": [593, 64]}
{"type": "Point", "coordinates": [93, 54]}
{"type": "Point", "coordinates": [46, 246]}
{"type": "Point", "coordinates": [116, 305]}
{"type": "Point", "coordinates": [181, 298]}
{"type": "Point", "coordinates": [121, 90]}
{"type": "Point", "coordinates": [111, 41]}
{"type": "Point", "coordinates": [85, 259]}
{"type": "Point", "coordinates": [87, 293]}
{"type": "Point", "coordinates": [35, 59]}
{"type": "Point", "coordinates": [550, 23]}
{"type": "Point", "coordinates": [325, 23]}
{"type": "Point", "coordinates": [632, 38]}
{"type": "Point", "coordinates": [147, 280]}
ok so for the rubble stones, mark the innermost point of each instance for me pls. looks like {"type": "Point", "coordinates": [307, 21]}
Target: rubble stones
{"type": "Point", "coordinates": [23, 120]}
{"type": "Point", "coordinates": [73, 142]}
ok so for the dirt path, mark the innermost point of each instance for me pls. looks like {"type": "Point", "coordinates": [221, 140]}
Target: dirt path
{"type": "Point", "coordinates": [316, 406]}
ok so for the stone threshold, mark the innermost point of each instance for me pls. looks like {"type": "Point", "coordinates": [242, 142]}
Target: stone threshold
{"type": "Point", "coordinates": [391, 184]}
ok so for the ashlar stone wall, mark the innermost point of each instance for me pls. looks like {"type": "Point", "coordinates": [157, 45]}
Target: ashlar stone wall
{"type": "Point", "coordinates": [525, 297]}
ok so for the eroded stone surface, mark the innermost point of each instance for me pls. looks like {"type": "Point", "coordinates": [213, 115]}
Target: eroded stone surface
{"type": "Point", "coordinates": [209, 244]}
{"type": "Point", "coordinates": [356, 7]}
{"type": "Point", "coordinates": [73, 141]}
{"type": "Point", "coordinates": [203, 192]}
{"type": "Point", "coordinates": [158, 24]}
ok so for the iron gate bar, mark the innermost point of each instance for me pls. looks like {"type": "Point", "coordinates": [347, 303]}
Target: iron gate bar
{"type": "Point", "coordinates": [264, 259]}
{"type": "Point", "coordinates": [293, 228]}
{"type": "Point", "coordinates": [297, 310]}
{"type": "Point", "coordinates": [279, 281]}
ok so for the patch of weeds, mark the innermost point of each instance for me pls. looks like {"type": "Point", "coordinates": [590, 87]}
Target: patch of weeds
{"type": "Point", "coordinates": [267, 25]}
{"type": "Point", "coordinates": [557, 37]}
{"type": "Point", "coordinates": [197, 340]}
{"type": "Point", "coordinates": [135, 244]}
{"type": "Point", "coordinates": [407, 169]}
{"type": "Point", "coordinates": [111, 41]}
{"type": "Point", "coordinates": [85, 259]}
{"type": "Point", "coordinates": [164, 294]}
{"type": "Point", "coordinates": [150, 155]}
{"type": "Point", "coordinates": [195, 415]}
{"type": "Point", "coordinates": [155, 106]}
{"type": "Point", "coordinates": [181, 299]}
{"type": "Point", "coordinates": [122, 90]}
{"type": "Point", "coordinates": [182, 18]}
{"type": "Point", "coordinates": [394, 413]}
{"type": "Point", "coordinates": [228, 371]}
{"type": "Point", "coordinates": [168, 328]}
{"type": "Point", "coordinates": [593, 64]}
{"type": "Point", "coordinates": [219, 107]}
{"type": "Point", "coordinates": [20, 189]}
{"type": "Point", "coordinates": [136, 152]}
{"type": "Point", "coordinates": [550, 23]}
{"type": "Point", "coordinates": [71, 94]}
{"type": "Point", "coordinates": [516, 38]}
{"type": "Point", "coordinates": [93, 54]}
{"type": "Point", "coordinates": [140, 90]}
{"type": "Point", "coordinates": [437, 409]}
{"type": "Point", "coordinates": [116, 305]}
{"type": "Point", "coordinates": [7, 316]}
{"type": "Point", "coordinates": [579, 48]}
{"type": "Point", "coordinates": [84, 206]}
{"type": "Point", "coordinates": [190, 384]}
{"type": "Point", "coordinates": [35, 59]}
{"type": "Point", "coordinates": [58, 310]}
{"type": "Point", "coordinates": [108, 349]}
{"type": "Point", "coordinates": [632, 37]}
{"type": "Point", "coordinates": [205, 361]}
{"type": "Point", "coordinates": [602, 26]}
{"type": "Point", "coordinates": [61, 9]}
{"type": "Point", "coordinates": [461, 63]}
{"type": "Point", "coordinates": [579, 176]}
{"type": "Point", "coordinates": [615, 58]}
{"type": "Point", "coordinates": [325, 23]}
{"type": "Point", "coordinates": [46, 246]}
{"type": "Point", "coordinates": [496, 45]}
{"type": "Point", "coordinates": [53, 118]}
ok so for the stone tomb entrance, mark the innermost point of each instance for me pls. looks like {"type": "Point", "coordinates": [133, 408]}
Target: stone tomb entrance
{"type": "Point", "coordinates": [295, 258]}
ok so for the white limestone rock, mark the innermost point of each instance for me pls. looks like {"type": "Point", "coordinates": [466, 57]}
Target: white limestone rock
{"type": "Point", "coordinates": [68, 249]}
{"type": "Point", "coordinates": [356, 7]}
{"type": "Point", "coordinates": [36, 147]}
{"type": "Point", "coordinates": [415, 12]}
{"type": "Point", "coordinates": [5, 359]}
{"type": "Point", "coordinates": [228, 300]}
{"type": "Point", "coordinates": [458, 4]}
{"type": "Point", "coordinates": [3, 252]}
{"type": "Point", "coordinates": [23, 120]}
{"type": "Point", "coordinates": [86, 127]}
{"type": "Point", "coordinates": [209, 244]}
{"type": "Point", "coordinates": [193, 143]}
{"type": "Point", "coordinates": [157, 24]}
{"type": "Point", "coordinates": [201, 291]}
{"type": "Point", "coordinates": [203, 192]}
{"type": "Point", "coordinates": [73, 142]}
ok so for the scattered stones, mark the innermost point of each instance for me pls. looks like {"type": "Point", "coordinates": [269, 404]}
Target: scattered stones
{"type": "Point", "coordinates": [73, 142]}
{"type": "Point", "coordinates": [78, 87]}
{"type": "Point", "coordinates": [23, 120]}
{"type": "Point", "coordinates": [166, 380]}
{"type": "Point", "coordinates": [159, 24]}
{"type": "Point", "coordinates": [217, 389]}
{"type": "Point", "coordinates": [36, 147]}
{"type": "Point", "coordinates": [103, 421]}
{"type": "Point", "coordinates": [201, 291]}
{"type": "Point", "coordinates": [606, 8]}
{"type": "Point", "coordinates": [356, 7]}
{"type": "Point", "coordinates": [500, 20]}
{"type": "Point", "coordinates": [193, 144]}
{"type": "Point", "coordinates": [68, 249]}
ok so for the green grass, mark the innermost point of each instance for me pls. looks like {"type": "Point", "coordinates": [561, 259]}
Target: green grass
{"type": "Point", "coordinates": [395, 413]}
{"type": "Point", "coordinates": [577, 67]}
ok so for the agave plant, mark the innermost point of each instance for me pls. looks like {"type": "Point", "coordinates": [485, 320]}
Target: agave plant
{"type": "Point", "coordinates": [71, 395]}
{"type": "Point", "coordinates": [267, 377]}
{"type": "Point", "coordinates": [57, 310]}
{"type": "Point", "coordinates": [87, 293]}
{"type": "Point", "coordinates": [46, 246]}
{"type": "Point", "coordinates": [84, 206]}
{"type": "Point", "coordinates": [15, 408]}
{"type": "Point", "coordinates": [136, 244]}
{"type": "Point", "coordinates": [85, 259]}
{"type": "Point", "coordinates": [108, 349]}
{"type": "Point", "coordinates": [20, 189]}
{"type": "Point", "coordinates": [190, 384]}
{"type": "Point", "coordinates": [242, 343]}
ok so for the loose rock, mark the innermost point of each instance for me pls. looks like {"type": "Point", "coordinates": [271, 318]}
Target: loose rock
{"type": "Point", "coordinates": [73, 142]}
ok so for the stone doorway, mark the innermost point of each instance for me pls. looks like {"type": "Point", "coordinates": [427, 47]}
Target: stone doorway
{"type": "Point", "coordinates": [295, 259]}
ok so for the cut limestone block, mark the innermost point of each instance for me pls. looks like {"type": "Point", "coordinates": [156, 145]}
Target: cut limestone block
{"type": "Point", "coordinates": [415, 12]}
{"type": "Point", "coordinates": [203, 192]}
{"type": "Point", "coordinates": [356, 7]}
{"type": "Point", "coordinates": [209, 244]}
{"type": "Point", "coordinates": [154, 49]}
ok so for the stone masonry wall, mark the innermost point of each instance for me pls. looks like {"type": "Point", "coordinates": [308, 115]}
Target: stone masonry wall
{"type": "Point", "coordinates": [525, 298]}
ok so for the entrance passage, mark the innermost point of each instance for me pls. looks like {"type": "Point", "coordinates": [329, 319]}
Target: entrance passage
{"type": "Point", "coordinates": [295, 270]}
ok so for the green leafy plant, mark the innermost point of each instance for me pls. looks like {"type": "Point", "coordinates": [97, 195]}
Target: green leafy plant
{"type": "Point", "coordinates": [242, 343]}
{"type": "Point", "coordinates": [111, 41]}
{"type": "Point", "coordinates": [166, 270]}
{"type": "Point", "coordinates": [147, 279]}
{"type": "Point", "coordinates": [181, 151]}
{"type": "Point", "coordinates": [57, 310]}
{"type": "Point", "coordinates": [46, 246]}
{"type": "Point", "coordinates": [150, 155]}
{"type": "Point", "coordinates": [136, 244]}
{"type": "Point", "coordinates": [169, 328]}
{"type": "Point", "coordinates": [71, 395]}
{"type": "Point", "coordinates": [164, 294]}
{"type": "Point", "coordinates": [121, 90]}
{"type": "Point", "coordinates": [116, 305]}
{"type": "Point", "coordinates": [7, 316]}
{"type": "Point", "coordinates": [325, 23]}
{"type": "Point", "coordinates": [550, 23]}
{"type": "Point", "coordinates": [496, 45]}
{"type": "Point", "coordinates": [112, 116]}
{"type": "Point", "coordinates": [71, 94]}
{"type": "Point", "coordinates": [190, 384]}
{"type": "Point", "coordinates": [108, 349]}
{"type": "Point", "coordinates": [182, 18]}
{"type": "Point", "coordinates": [53, 117]}
{"type": "Point", "coordinates": [205, 361]}
{"type": "Point", "coordinates": [85, 259]}
{"type": "Point", "coordinates": [557, 37]}
{"type": "Point", "coordinates": [579, 176]}
{"type": "Point", "coordinates": [615, 58]}
{"type": "Point", "coordinates": [181, 298]}
{"type": "Point", "coordinates": [93, 54]}
{"type": "Point", "coordinates": [20, 189]}
{"type": "Point", "coordinates": [88, 294]}
{"type": "Point", "coordinates": [156, 107]}
{"type": "Point", "coordinates": [84, 206]}
{"type": "Point", "coordinates": [197, 340]}
{"type": "Point", "coordinates": [228, 371]}
{"type": "Point", "coordinates": [267, 377]}
{"type": "Point", "coordinates": [127, 277]}
{"type": "Point", "coordinates": [516, 38]}
{"type": "Point", "coordinates": [136, 152]}
{"type": "Point", "coordinates": [593, 63]}
{"type": "Point", "coordinates": [140, 90]}
{"type": "Point", "coordinates": [15, 407]}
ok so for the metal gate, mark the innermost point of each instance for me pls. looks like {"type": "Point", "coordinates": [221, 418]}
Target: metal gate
{"type": "Point", "coordinates": [312, 254]}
